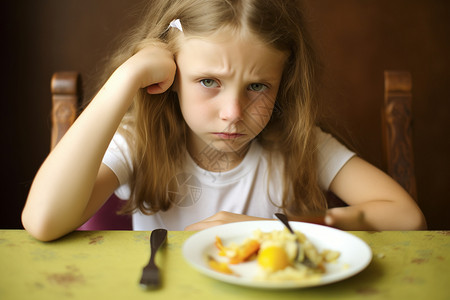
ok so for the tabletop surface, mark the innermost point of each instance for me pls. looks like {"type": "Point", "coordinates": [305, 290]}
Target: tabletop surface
{"type": "Point", "coordinates": [108, 264]}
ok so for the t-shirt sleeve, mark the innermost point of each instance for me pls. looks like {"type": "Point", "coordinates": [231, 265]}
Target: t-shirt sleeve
{"type": "Point", "coordinates": [117, 158]}
{"type": "Point", "coordinates": [332, 156]}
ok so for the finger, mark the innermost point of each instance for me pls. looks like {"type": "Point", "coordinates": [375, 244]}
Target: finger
{"type": "Point", "coordinates": [194, 227]}
{"type": "Point", "coordinates": [345, 218]}
{"type": "Point", "coordinates": [160, 87]}
{"type": "Point", "coordinates": [318, 218]}
{"type": "Point", "coordinates": [202, 225]}
{"type": "Point", "coordinates": [156, 89]}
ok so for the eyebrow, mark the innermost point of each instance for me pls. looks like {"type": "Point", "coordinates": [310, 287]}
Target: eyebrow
{"type": "Point", "coordinates": [219, 73]}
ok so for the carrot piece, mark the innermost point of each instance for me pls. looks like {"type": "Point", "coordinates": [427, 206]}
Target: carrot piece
{"type": "Point", "coordinates": [219, 266]}
{"type": "Point", "coordinates": [247, 250]}
{"type": "Point", "coordinates": [220, 246]}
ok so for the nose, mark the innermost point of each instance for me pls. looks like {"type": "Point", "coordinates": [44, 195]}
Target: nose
{"type": "Point", "coordinates": [231, 109]}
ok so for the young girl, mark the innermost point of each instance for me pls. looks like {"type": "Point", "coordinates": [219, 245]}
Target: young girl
{"type": "Point", "coordinates": [208, 117]}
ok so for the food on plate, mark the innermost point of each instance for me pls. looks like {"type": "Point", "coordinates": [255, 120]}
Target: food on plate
{"type": "Point", "coordinates": [240, 253]}
{"type": "Point", "coordinates": [273, 258]}
{"type": "Point", "coordinates": [218, 266]}
{"type": "Point", "coordinates": [278, 255]}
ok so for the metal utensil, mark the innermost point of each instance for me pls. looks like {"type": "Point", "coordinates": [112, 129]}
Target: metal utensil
{"type": "Point", "coordinates": [151, 278]}
{"type": "Point", "coordinates": [306, 261]}
{"type": "Point", "coordinates": [285, 221]}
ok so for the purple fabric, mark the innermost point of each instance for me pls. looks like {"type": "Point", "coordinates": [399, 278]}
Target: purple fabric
{"type": "Point", "coordinates": [107, 218]}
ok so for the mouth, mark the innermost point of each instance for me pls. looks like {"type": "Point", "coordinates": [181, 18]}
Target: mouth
{"type": "Point", "coordinates": [228, 135]}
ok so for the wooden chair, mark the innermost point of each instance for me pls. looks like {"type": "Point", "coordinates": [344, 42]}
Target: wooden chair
{"type": "Point", "coordinates": [396, 119]}
{"type": "Point", "coordinates": [396, 126]}
{"type": "Point", "coordinates": [396, 134]}
{"type": "Point", "coordinates": [66, 98]}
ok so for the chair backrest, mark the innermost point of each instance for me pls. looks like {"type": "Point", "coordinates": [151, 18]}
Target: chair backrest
{"type": "Point", "coordinates": [66, 96]}
{"type": "Point", "coordinates": [396, 135]}
{"type": "Point", "coordinates": [396, 124]}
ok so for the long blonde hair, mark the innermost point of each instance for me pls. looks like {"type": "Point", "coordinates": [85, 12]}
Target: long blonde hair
{"type": "Point", "coordinates": [154, 126]}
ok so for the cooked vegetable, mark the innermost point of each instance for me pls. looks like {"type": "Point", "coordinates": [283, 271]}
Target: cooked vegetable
{"type": "Point", "coordinates": [221, 267]}
{"type": "Point", "coordinates": [276, 256]}
{"type": "Point", "coordinates": [273, 258]}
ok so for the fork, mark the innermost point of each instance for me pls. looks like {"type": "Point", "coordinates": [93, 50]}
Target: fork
{"type": "Point", "coordinates": [306, 260]}
{"type": "Point", "coordinates": [151, 278]}
{"type": "Point", "coordinates": [285, 221]}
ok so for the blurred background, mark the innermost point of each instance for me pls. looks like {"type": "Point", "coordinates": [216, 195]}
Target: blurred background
{"type": "Point", "coordinates": [356, 40]}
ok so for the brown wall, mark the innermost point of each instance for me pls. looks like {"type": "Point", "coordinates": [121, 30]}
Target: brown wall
{"type": "Point", "coordinates": [356, 39]}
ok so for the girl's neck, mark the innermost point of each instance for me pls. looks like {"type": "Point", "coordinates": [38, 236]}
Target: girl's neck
{"type": "Point", "coordinates": [211, 159]}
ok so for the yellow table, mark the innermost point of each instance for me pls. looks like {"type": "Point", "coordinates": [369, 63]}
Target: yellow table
{"type": "Point", "coordinates": [107, 265]}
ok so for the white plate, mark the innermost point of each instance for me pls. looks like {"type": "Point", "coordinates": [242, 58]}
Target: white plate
{"type": "Point", "coordinates": [355, 253]}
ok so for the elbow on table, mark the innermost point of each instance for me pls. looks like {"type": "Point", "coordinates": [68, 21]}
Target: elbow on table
{"type": "Point", "coordinates": [416, 221]}
{"type": "Point", "coordinates": [422, 223]}
{"type": "Point", "coordinates": [40, 227]}
{"type": "Point", "coordinates": [36, 229]}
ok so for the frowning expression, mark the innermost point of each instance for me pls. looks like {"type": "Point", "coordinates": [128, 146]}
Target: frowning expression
{"type": "Point", "coordinates": [227, 86]}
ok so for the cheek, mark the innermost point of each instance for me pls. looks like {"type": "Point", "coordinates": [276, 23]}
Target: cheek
{"type": "Point", "coordinates": [260, 112]}
{"type": "Point", "coordinates": [195, 112]}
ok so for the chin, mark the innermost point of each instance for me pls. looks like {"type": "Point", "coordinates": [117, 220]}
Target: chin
{"type": "Point", "coordinates": [234, 146]}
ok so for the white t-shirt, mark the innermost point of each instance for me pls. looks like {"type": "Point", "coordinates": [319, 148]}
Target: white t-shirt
{"type": "Point", "coordinates": [243, 190]}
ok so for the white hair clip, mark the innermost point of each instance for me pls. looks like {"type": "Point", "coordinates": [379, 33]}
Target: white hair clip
{"type": "Point", "coordinates": [176, 24]}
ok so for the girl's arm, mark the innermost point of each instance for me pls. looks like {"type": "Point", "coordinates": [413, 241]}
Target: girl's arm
{"type": "Point", "coordinates": [72, 183]}
{"type": "Point", "coordinates": [220, 218]}
{"type": "Point", "coordinates": [376, 201]}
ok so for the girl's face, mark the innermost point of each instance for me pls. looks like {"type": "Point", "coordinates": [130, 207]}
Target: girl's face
{"type": "Point", "coordinates": [227, 86]}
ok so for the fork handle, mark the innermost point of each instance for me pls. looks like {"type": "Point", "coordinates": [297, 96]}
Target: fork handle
{"type": "Point", "coordinates": [157, 238]}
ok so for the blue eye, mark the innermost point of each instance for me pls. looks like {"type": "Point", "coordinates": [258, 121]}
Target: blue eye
{"type": "Point", "coordinates": [257, 87]}
{"type": "Point", "coordinates": [209, 83]}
